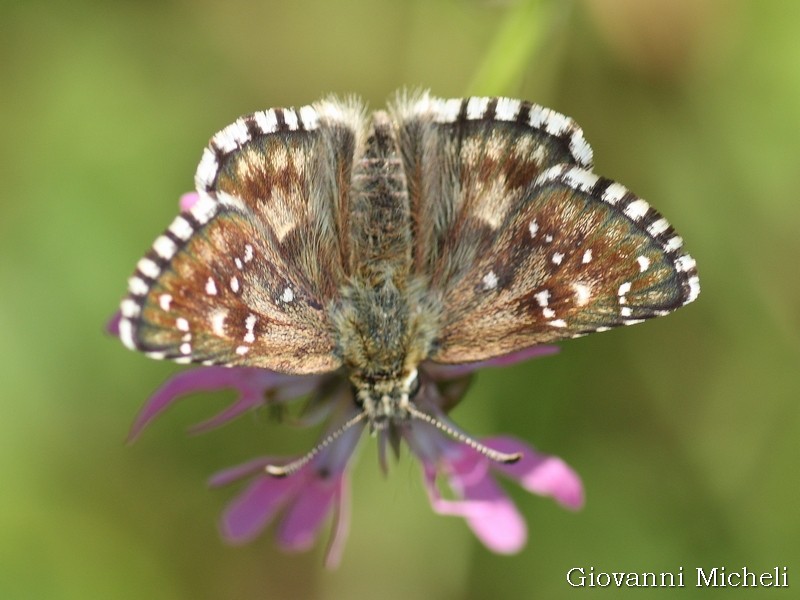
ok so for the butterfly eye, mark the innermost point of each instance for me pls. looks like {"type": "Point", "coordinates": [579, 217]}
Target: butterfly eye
{"type": "Point", "coordinates": [413, 385]}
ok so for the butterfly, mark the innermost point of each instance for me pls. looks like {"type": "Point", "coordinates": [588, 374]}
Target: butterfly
{"type": "Point", "coordinates": [451, 231]}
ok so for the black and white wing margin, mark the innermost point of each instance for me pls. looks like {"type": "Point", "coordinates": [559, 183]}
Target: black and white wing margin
{"type": "Point", "coordinates": [245, 276]}
{"type": "Point", "coordinates": [524, 244]}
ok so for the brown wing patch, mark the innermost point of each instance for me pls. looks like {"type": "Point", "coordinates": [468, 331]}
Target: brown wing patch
{"type": "Point", "coordinates": [568, 263]}
{"type": "Point", "coordinates": [227, 297]}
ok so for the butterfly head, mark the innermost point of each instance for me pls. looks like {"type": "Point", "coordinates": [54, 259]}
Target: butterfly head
{"type": "Point", "coordinates": [386, 400]}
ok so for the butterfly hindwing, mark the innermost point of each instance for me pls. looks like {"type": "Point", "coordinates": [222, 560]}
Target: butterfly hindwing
{"type": "Point", "coordinates": [580, 254]}
{"type": "Point", "coordinates": [468, 162]}
{"type": "Point", "coordinates": [245, 277]}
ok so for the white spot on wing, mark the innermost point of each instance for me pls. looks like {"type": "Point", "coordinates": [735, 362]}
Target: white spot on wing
{"type": "Point", "coordinates": [644, 263]}
{"type": "Point", "coordinates": [129, 308]}
{"type": "Point", "coordinates": [548, 313]}
{"type": "Point", "coordinates": [165, 247]}
{"type": "Point", "coordinates": [448, 111]}
{"type": "Point", "coordinates": [249, 324]}
{"type": "Point", "coordinates": [582, 293]}
{"type": "Point", "coordinates": [558, 323]}
{"type": "Point", "coordinates": [673, 244]}
{"type": "Point", "coordinates": [542, 297]}
{"type": "Point", "coordinates": [233, 136]}
{"type": "Point", "coordinates": [694, 289]}
{"type": "Point", "coordinates": [658, 227]}
{"type": "Point", "coordinates": [234, 284]}
{"type": "Point", "coordinates": [290, 118]}
{"type": "Point", "coordinates": [556, 123]}
{"type": "Point", "coordinates": [181, 228]}
{"type": "Point", "coordinates": [288, 295]}
{"type": "Point", "coordinates": [507, 109]}
{"type": "Point", "coordinates": [182, 324]}
{"type": "Point", "coordinates": [248, 251]}
{"type": "Point", "coordinates": [685, 263]}
{"type": "Point", "coordinates": [489, 281]}
{"type": "Point", "coordinates": [206, 170]}
{"type": "Point", "coordinates": [218, 322]}
{"type": "Point", "coordinates": [204, 209]}
{"type": "Point", "coordinates": [636, 209]}
{"type": "Point", "coordinates": [558, 257]}
{"type": "Point", "coordinates": [580, 149]}
{"type": "Point", "coordinates": [137, 286]}
{"type": "Point", "coordinates": [211, 287]}
{"type": "Point", "coordinates": [581, 179]}
{"type": "Point", "coordinates": [164, 301]}
{"type": "Point", "coordinates": [242, 350]}
{"type": "Point", "coordinates": [476, 107]}
{"type": "Point", "coordinates": [587, 256]}
{"type": "Point", "coordinates": [266, 121]}
{"type": "Point", "coordinates": [126, 333]}
{"type": "Point", "coordinates": [533, 228]}
{"type": "Point", "coordinates": [148, 268]}
{"type": "Point", "coordinates": [309, 116]}
{"type": "Point", "coordinates": [614, 193]}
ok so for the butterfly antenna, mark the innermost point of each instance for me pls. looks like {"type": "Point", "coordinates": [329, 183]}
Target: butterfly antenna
{"type": "Point", "coordinates": [296, 465]}
{"type": "Point", "coordinates": [495, 455]}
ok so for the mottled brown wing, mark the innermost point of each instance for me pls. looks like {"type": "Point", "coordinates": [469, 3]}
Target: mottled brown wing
{"type": "Point", "coordinates": [469, 163]}
{"type": "Point", "coordinates": [245, 277]}
{"type": "Point", "coordinates": [517, 240]}
{"type": "Point", "coordinates": [578, 254]}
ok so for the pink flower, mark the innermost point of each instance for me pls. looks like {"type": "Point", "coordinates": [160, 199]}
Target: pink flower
{"type": "Point", "coordinates": [320, 488]}
{"type": "Point", "coordinates": [256, 388]}
{"type": "Point", "coordinates": [306, 499]}
{"type": "Point", "coordinates": [487, 510]}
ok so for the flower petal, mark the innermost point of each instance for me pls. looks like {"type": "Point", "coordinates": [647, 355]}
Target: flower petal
{"type": "Point", "coordinates": [540, 473]}
{"type": "Point", "coordinates": [188, 200]}
{"type": "Point", "coordinates": [441, 371]}
{"type": "Point", "coordinates": [493, 517]}
{"type": "Point", "coordinates": [242, 405]}
{"type": "Point", "coordinates": [305, 516]}
{"type": "Point", "coordinates": [487, 510]}
{"type": "Point", "coordinates": [251, 511]}
{"type": "Point", "coordinates": [512, 358]}
{"type": "Point", "coordinates": [250, 382]}
{"type": "Point", "coordinates": [112, 326]}
{"type": "Point", "coordinates": [341, 524]}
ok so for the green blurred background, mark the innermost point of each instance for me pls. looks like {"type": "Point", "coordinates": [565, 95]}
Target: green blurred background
{"type": "Point", "coordinates": [685, 429]}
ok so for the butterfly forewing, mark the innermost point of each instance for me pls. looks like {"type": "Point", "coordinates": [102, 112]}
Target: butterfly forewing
{"type": "Point", "coordinates": [581, 254]}
{"type": "Point", "coordinates": [245, 277]}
